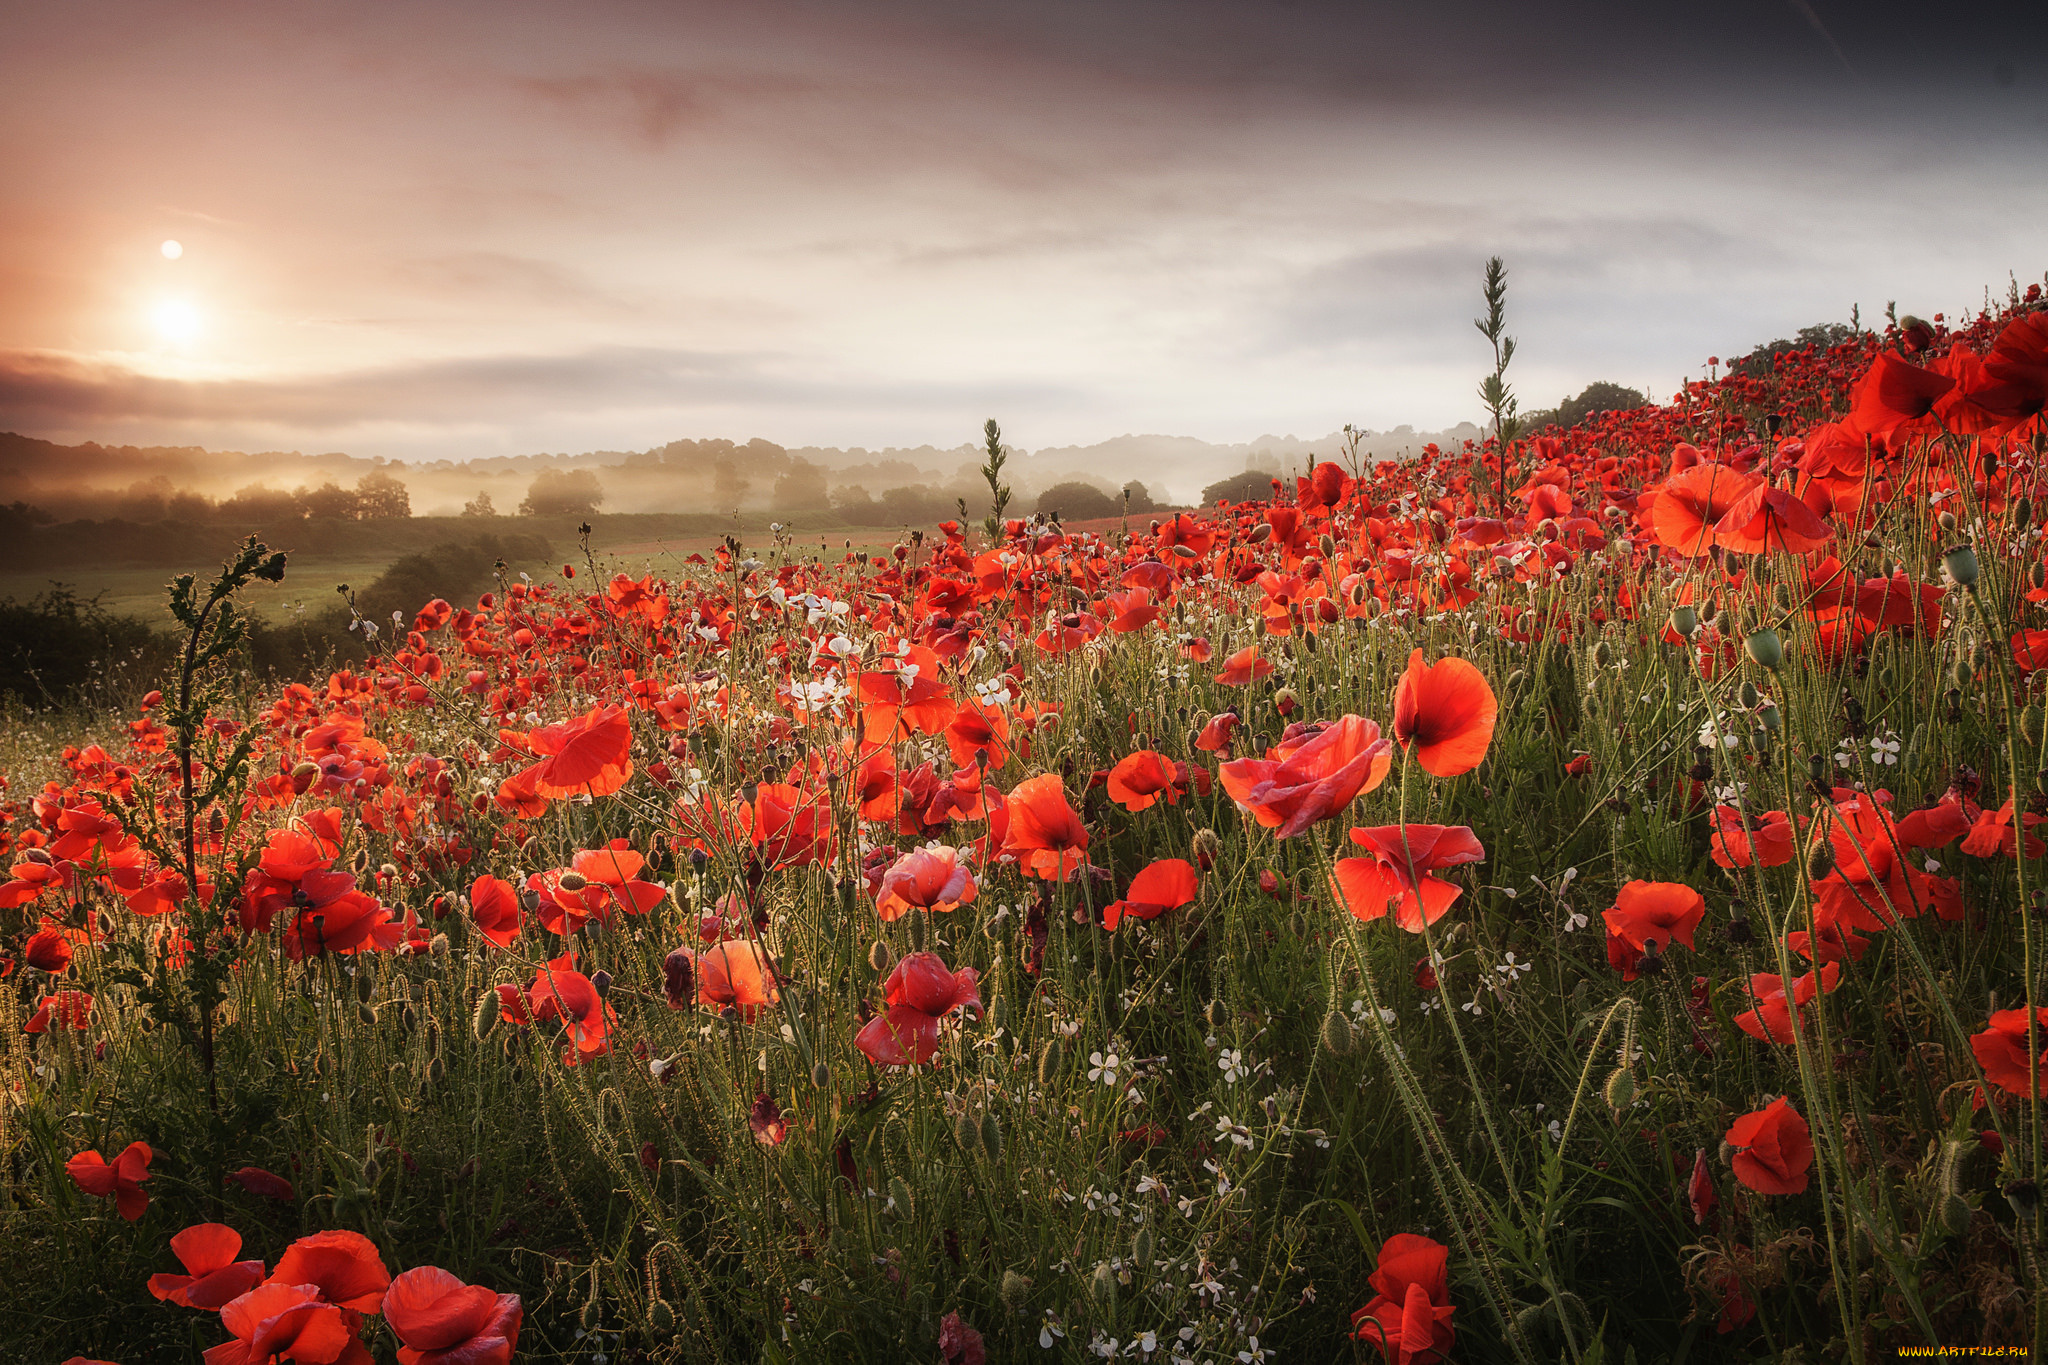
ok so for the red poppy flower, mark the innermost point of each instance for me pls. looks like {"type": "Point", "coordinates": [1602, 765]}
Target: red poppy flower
{"type": "Point", "coordinates": [919, 992]}
{"type": "Point", "coordinates": [1775, 1149]}
{"type": "Point", "coordinates": [2002, 1051]}
{"type": "Point", "coordinates": [1140, 779]}
{"type": "Point", "coordinates": [1892, 393]}
{"type": "Point", "coordinates": [212, 1274]}
{"type": "Point", "coordinates": [65, 1009]}
{"type": "Point", "coordinates": [978, 735]}
{"type": "Point", "coordinates": [1045, 836]}
{"type": "Point", "coordinates": [439, 1320]}
{"type": "Point", "coordinates": [908, 699]}
{"type": "Point", "coordinates": [1656, 912]}
{"type": "Point", "coordinates": [932, 879]}
{"type": "Point", "coordinates": [1399, 871]}
{"type": "Point", "coordinates": [342, 1267]}
{"type": "Point", "coordinates": [1410, 1319]}
{"type": "Point", "coordinates": [494, 906]}
{"type": "Point", "coordinates": [590, 755]}
{"type": "Point", "coordinates": [561, 992]}
{"type": "Point", "coordinates": [1699, 1191]}
{"type": "Point", "coordinates": [258, 1181]}
{"type": "Point", "coordinates": [1769, 520]}
{"type": "Point", "coordinates": [1311, 775]}
{"type": "Point", "coordinates": [792, 826]}
{"type": "Point", "coordinates": [49, 948]}
{"type": "Point", "coordinates": [282, 1321]}
{"type": "Point", "coordinates": [738, 973]}
{"type": "Point", "coordinates": [1244, 668]}
{"type": "Point", "coordinates": [1692, 502]}
{"type": "Point", "coordinates": [1771, 1020]}
{"type": "Point", "coordinates": [1166, 885]}
{"type": "Point", "coordinates": [1446, 712]}
{"type": "Point", "coordinates": [122, 1179]}
{"type": "Point", "coordinates": [1215, 736]}
{"type": "Point", "coordinates": [1739, 840]}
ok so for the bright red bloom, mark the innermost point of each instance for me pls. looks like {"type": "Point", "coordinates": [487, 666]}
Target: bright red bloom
{"type": "Point", "coordinates": [1769, 520]}
{"type": "Point", "coordinates": [1739, 841]}
{"type": "Point", "coordinates": [737, 973]}
{"type": "Point", "coordinates": [1656, 912]}
{"type": "Point", "coordinates": [792, 826]}
{"type": "Point", "coordinates": [1776, 1149]}
{"type": "Point", "coordinates": [1446, 711]}
{"type": "Point", "coordinates": [561, 992]}
{"type": "Point", "coordinates": [1410, 1320]}
{"type": "Point", "coordinates": [1215, 736]}
{"type": "Point", "coordinates": [1771, 1020]}
{"type": "Point", "coordinates": [1166, 885]}
{"type": "Point", "coordinates": [1045, 836]}
{"type": "Point", "coordinates": [122, 1179]}
{"type": "Point", "coordinates": [494, 905]}
{"type": "Point", "coordinates": [592, 755]}
{"type": "Point", "coordinates": [920, 992]}
{"type": "Point", "coordinates": [212, 1274]}
{"type": "Point", "coordinates": [931, 879]}
{"type": "Point", "coordinates": [439, 1320]}
{"type": "Point", "coordinates": [1893, 393]}
{"type": "Point", "coordinates": [1311, 775]}
{"type": "Point", "coordinates": [1399, 871]}
{"type": "Point", "coordinates": [1140, 779]}
{"type": "Point", "coordinates": [343, 1267]}
{"type": "Point", "coordinates": [1692, 502]}
{"type": "Point", "coordinates": [283, 1321]}
{"type": "Point", "coordinates": [1244, 668]}
{"type": "Point", "coordinates": [2002, 1050]}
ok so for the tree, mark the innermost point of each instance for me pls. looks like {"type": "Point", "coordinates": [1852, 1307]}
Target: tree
{"type": "Point", "coordinates": [1598, 396]}
{"type": "Point", "coordinates": [801, 487]}
{"type": "Point", "coordinates": [1254, 485]}
{"type": "Point", "coordinates": [330, 502]}
{"type": "Point", "coordinates": [562, 493]}
{"type": "Point", "coordinates": [479, 506]}
{"type": "Point", "coordinates": [1138, 498]}
{"type": "Point", "coordinates": [380, 496]}
{"type": "Point", "coordinates": [1077, 501]}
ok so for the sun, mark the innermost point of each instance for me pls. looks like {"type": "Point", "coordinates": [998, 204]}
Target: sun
{"type": "Point", "coordinates": [173, 250]}
{"type": "Point", "coordinates": [178, 321]}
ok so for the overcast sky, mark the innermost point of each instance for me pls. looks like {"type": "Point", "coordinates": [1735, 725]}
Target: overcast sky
{"type": "Point", "coordinates": [469, 228]}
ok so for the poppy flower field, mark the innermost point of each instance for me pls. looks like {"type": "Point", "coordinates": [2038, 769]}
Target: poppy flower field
{"type": "Point", "coordinates": [1573, 901]}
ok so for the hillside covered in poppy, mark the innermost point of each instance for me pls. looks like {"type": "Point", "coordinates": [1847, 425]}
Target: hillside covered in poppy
{"type": "Point", "coordinates": [1577, 900]}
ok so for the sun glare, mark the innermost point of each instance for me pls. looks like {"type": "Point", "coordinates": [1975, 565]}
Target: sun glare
{"type": "Point", "coordinates": [178, 321]}
{"type": "Point", "coordinates": [173, 250]}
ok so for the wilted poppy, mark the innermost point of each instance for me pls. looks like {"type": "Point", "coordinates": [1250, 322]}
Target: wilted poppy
{"type": "Point", "coordinates": [439, 1320]}
{"type": "Point", "coordinates": [1774, 1149]}
{"type": "Point", "coordinates": [1446, 712]}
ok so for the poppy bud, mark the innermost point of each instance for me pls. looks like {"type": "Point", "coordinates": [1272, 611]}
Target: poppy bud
{"type": "Point", "coordinates": [1261, 533]}
{"type": "Point", "coordinates": [485, 1017]}
{"type": "Point", "coordinates": [1603, 655]}
{"type": "Point", "coordinates": [1141, 1249]}
{"type": "Point", "coordinates": [437, 1071]}
{"type": "Point", "coordinates": [601, 982]}
{"type": "Point", "coordinates": [991, 1136]}
{"type": "Point", "coordinates": [1208, 846]}
{"type": "Point", "coordinates": [1620, 1091]}
{"type": "Point", "coordinates": [899, 1196]}
{"type": "Point", "coordinates": [1821, 861]}
{"type": "Point", "coordinates": [371, 1170]}
{"type": "Point", "coordinates": [1015, 1291]}
{"type": "Point", "coordinates": [1272, 884]}
{"type": "Point", "coordinates": [1947, 521]}
{"type": "Point", "coordinates": [1049, 1062]}
{"type": "Point", "coordinates": [1765, 647]}
{"type": "Point", "coordinates": [1651, 962]}
{"type": "Point", "coordinates": [1102, 1288]}
{"type": "Point", "coordinates": [1285, 701]}
{"type": "Point", "coordinates": [880, 959]}
{"type": "Point", "coordinates": [1740, 933]}
{"type": "Point", "coordinates": [592, 1316]}
{"type": "Point", "coordinates": [1336, 1033]}
{"type": "Point", "coordinates": [365, 987]}
{"type": "Point", "coordinates": [1748, 696]}
{"type": "Point", "coordinates": [1709, 610]}
{"type": "Point", "coordinates": [1955, 1214]}
{"type": "Point", "coordinates": [1328, 545]}
{"type": "Point", "coordinates": [967, 1133]}
{"type": "Point", "coordinates": [661, 1319]}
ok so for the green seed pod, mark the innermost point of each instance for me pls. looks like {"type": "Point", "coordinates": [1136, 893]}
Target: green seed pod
{"type": "Point", "coordinates": [1916, 747]}
{"type": "Point", "coordinates": [880, 959]}
{"type": "Point", "coordinates": [967, 1133]}
{"type": "Point", "coordinates": [1015, 1291]}
{"type": "Point", "coordinates": [1603, 655]}
{"type": "Point", "coordinates": [991, 1136]}
{"type": "Point", "coordinates": [366, 986]}
{"type": "Point", "coordinates": [1765, 647]}
{"type": "Point", "coordinates": [1961, 673]}
{"type": "Point", "coordinates": [661, 1319]}
{"type": "Point", "coordinates": [1748, 696]}
{"type": "Point", "coordinates": [821, 1075]}
{"type": "Point", "coordinates": [1960, 561]}
{"type": "Point", "coordinates": [485, 1016]}
{"type": "Point", "coordinates": [1049, 1062]}
{"type": "Point", "coordinates": [1141, 1248]}
{"type": "Point", "coordinates": [899, 1195]}
{"type": "Point", "coordinates": [1955, 1214]}
{"type": "Point", "coordinates": [1102, 1288]}
{"type": "Point", "coordinates": [1684, 621]}
{"type": "Point", "coordinates": [366, 1015]}
{"type": "Point", "coordinates": [437, 1071]}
